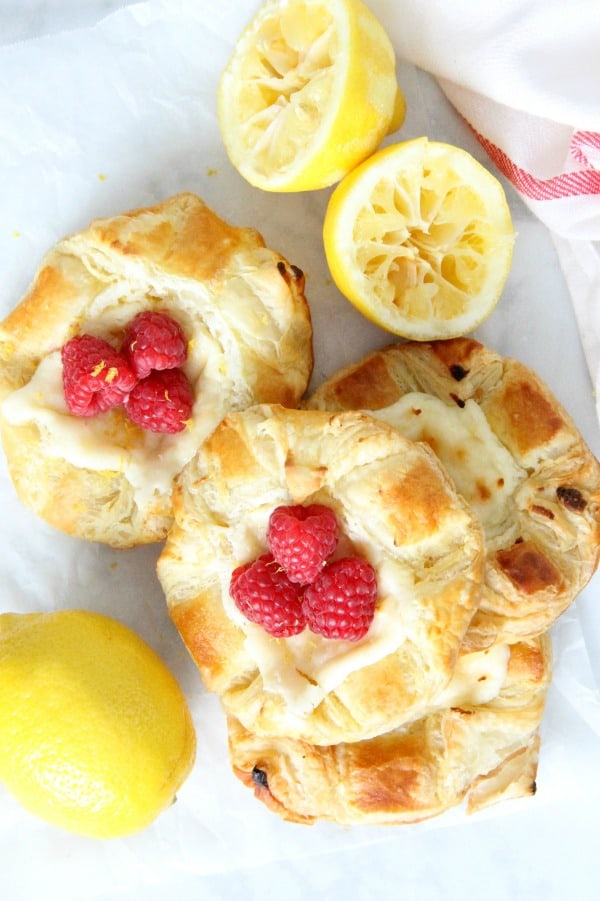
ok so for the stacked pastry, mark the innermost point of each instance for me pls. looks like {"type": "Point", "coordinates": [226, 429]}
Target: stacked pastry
{"type": "Point", "coordinates": [150, 388]}
{"type": "Point", "coordinates": [460, 479]}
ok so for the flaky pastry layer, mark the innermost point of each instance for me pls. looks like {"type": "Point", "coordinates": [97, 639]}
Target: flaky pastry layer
{"type": "Point", "coordinates": [532, 481]}
{"type": "Point", "coordinates": [483, 753]}
{"type": "Point", "coordinates": [243, 310]}
{"type": "Point", "coordinates": [395, 506]}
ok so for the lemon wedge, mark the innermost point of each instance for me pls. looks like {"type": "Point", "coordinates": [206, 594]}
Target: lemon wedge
{"type": "Point", "coordinates": [419, 238]}
{"type": "Point", "coordinates": [309, 92]}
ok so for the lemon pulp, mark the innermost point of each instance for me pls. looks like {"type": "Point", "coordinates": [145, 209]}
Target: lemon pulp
{"type": "Point", "coordinates": [419, 237]}
{"type": "Point", "coordinates": [309, 92]}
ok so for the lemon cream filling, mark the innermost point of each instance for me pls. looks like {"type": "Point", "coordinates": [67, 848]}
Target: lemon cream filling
{"type": "Point", "coordinates": [148, 460]}
{"type": "Point", "coordinates": [477, 679]}
{"type": "Point", "coordinates": [303, 668]}
{"type": "Point", "coordinates": [248, 308]}
{"type": "Point", "coordinates": [89, 443]}
{"type": "Point", "coordinates": [482, 469]}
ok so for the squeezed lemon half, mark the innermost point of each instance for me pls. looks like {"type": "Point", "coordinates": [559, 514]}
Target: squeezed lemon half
{"type": "Point", "coordinates": [309, 92]}
{"type": "Point", "coordinates": [419, 238]}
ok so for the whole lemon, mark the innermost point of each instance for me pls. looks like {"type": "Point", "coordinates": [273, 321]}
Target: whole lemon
{"type": "Point", "coordinates": [95, 733]}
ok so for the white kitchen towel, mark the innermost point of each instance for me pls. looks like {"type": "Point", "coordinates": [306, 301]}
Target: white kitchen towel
{"type": "Point", "coordinates": [525, 76]}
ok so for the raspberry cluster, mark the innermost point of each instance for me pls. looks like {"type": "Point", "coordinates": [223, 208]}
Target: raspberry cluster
{"type": "Point", "coordinates": [144, 376]}
{"type": "Point", "coordinates": [296, 585]}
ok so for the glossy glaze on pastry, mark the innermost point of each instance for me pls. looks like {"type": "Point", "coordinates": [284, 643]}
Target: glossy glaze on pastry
{"type": "Point", "coordinates": [514, 454]}
{"type": "Point", "coordinates": [479, 746]}
{"type": "Point", "coordinates": [395, 507]}
{"type": "Point", "coordinates": [243, 311]}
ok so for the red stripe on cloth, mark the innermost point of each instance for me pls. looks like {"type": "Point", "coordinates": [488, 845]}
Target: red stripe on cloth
{"type": "Point", "coordinates": [580, 144]}
{"type": "Point", "coordinates": [568, 184]}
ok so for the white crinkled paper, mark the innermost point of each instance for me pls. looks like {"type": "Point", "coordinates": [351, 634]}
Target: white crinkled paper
{"type": "Point", "coordinates": [114, 117]}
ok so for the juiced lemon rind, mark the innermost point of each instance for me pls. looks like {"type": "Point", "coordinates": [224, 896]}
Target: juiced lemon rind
{"type": "Point", "coordinates": [420, 239]}
{"type": "Point", "coordinates": [309, 92]}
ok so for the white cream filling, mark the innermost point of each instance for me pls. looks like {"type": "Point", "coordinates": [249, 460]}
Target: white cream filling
{"type": "Point", "coordinates": [482, 469]}
{"type": "Point", "coordinates": [87, 442]}
{"type": "Point", "coordinates": [302, 669]}
{"type": "Point", "coordinates": [477, 678]}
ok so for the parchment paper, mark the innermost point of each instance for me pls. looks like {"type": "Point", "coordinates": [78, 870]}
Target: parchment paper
{"type": "Point", "coordinates": [100, 120]}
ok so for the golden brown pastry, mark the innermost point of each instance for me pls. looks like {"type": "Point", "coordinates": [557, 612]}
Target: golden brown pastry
{"type": "Point", "coordinates": [481, 746]}
{"type": "Point", "coordinates": [243, 312]}
{"type": "Point", "coordinates": [395, 506]}
{"type": "Point", "coordinates": [514, 454]}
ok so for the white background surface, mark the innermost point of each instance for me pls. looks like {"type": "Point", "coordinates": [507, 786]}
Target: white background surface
{"type": "Point", "coordinates": [545, 848]}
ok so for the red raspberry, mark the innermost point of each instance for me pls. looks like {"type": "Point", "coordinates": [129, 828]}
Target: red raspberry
{"type": "Point", "coordinates": [340, 603]}
{"type": "Point", "coordinates": [301, 539]}
{"type": "Point", "coordinates": [161, 402]}
{"type": "Point", "coordinates": [154, 341]}
{"type": "Point", "coordinates": [95, 376]}
{"type": "Point", "coordinates": [265, 595]}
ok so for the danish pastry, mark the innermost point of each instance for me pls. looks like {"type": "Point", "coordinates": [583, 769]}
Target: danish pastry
{"type": "Point", "coordinates": [514, 454]}
{"type": "Point", "coordinates": [481, 745]}
{"type": "Point", "coordinates": [246, 320]}
{"type": "Point", "coordinates": [396, 508]}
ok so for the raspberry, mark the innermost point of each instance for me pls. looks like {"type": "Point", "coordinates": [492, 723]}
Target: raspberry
{"type": "Point", "coordinates": [95, 376]}
{"type": "Point", "coordinates": [161, 402]}
{"type": "Point", "coordinates": [340, 603]}
{"type": "Point", "coordinates": [154, 341]}
{"type": "Point", "coordinates": [265, 595]}
{"type": "Point", "coordinates": [301, 539]}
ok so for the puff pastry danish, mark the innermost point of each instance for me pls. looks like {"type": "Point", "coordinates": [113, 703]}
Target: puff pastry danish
{"type": "Point", "coordinates": [247, 322]}
{"type": "Point", "coordinates": [396, 507]}
{"type": "Point", "coordinates": [514, 454]}
{"type": "Point", "coordinates": [481, 746]}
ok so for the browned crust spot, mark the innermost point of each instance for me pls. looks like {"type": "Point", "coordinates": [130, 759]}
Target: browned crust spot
{"type": "Point", "coordinates": [528, 568]}
{"type": "Point", "coordinates": [389, 780]}
{"type": "Point", "coordinates": [199, 245]}
{"type": "Point", "coordinates": [533, 420]}
{"type": "Point", "coordinates": [571, 498]}
{"type": "Point", "coordinates": [369, 386]}
{"type": "Point", "coordinates": [50, 288]}
{"type": "Point", "coordinates": [257, 780]}
{"type": "Point", "coordinates": [456, 354]}
{"type": "Point", "coordinates": [542, 511]}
